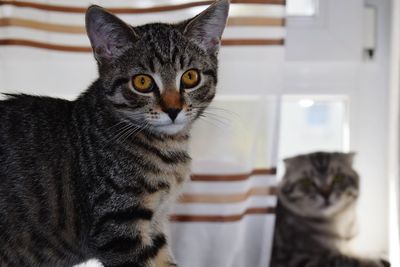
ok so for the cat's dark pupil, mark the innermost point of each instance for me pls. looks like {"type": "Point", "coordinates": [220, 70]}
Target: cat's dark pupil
{"type": "Point", "coordinates": [190, 75]}
{"type": "Point", "coordinates": [142, 81]}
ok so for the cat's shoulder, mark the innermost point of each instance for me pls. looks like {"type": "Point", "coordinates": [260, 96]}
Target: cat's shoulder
{"type": "Point", "coordinates": [30, 108]}
{"type": "Point", "coordinates": [26, 98]}
{"type": "Point", "coordinates": [25, 101]}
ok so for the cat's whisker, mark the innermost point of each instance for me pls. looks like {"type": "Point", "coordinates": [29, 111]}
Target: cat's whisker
{"type": "Point", "coordinates": [227, 111]}
{"type": "Point", "coordinates": [205, 119]}
{"type": "Point", "coordinates": [218, 109]}
{"type": "Point", "coordinates": [126, 134]}
{"type": "Point", "coordinates": [116, 137]}
{"type": "Point", "coordinates": [115, 125]}
{"type": "Point", "coordinates": [236, 120]}
{"type": "Point", "coordinates": [222, 119]}
{"type": "Point", "coordinates": [123, 132]}
{"type": "Point", "coordinates": [134, 115]}
{"type": "Point", "coordinates": [118, 129]}
{"type": "Point", "coordinates": [121, 128]}
{"type": "Point", "coordinates": [217, 119]}
{"type": "Point", "coordinates": [139, 129]}
{"type": "Point", "coordinates": [133, 132]}
{"type": "Point", "coordinates": [207, 111]}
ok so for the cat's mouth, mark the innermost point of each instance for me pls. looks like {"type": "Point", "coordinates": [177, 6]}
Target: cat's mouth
{"type": "Point", "coordinates": [170, 128]}
{"type": "Point", "coordinates": [326, 203]}
{"type": "Point", "coordinates": [163, 124]}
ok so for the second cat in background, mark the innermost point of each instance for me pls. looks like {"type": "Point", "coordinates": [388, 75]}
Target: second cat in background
{"type": "Point", "coordinates": [316, 217]}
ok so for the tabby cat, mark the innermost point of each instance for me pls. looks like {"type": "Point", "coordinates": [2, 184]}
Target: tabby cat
{"type": "Point", "coordinates": [94, 177]}
{"type": "Point", "coordinates": [315, 217]}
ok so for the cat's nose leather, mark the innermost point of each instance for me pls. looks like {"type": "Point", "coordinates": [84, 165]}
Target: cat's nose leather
{"type": "Point", "coordinates": [173, 112]}
{"type": "Point", "coordinates": [325, 192]}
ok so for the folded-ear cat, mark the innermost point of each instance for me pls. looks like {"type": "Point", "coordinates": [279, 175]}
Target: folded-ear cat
{"type": "Point", "coordinates": [315, 219]}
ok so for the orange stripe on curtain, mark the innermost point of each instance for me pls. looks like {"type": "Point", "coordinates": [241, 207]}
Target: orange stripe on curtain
{"type": "Point", "coordinates": [221, 218]}
{"type": "Point", "coordinates": [43, 45]}
{"type": "Point", "coordinates": [227, 198]}
{"type": "Point", "coordinates": [43, 26]}
{"type": "Point", "coordinates": [73, 29]}
{"type": "Point", "coordinates": [71, 9]}
{"type": "Point", "coordinates": [73, 48]}
{"type": "Point", "coordinates": [232, 177]}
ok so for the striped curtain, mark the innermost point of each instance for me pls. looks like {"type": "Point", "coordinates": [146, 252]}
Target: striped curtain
{"type": "Point", "coordinates": [60, 27]}
{"type": "Point", "coordinates": [226, 213]}
{"type": "Point", "coordinates": [225, 216]}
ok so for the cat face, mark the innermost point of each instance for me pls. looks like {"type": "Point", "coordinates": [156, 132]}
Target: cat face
{"type": "Point", "coordinates": [319, 185]}
{"type": "Point", "coordinates": [158, 76]}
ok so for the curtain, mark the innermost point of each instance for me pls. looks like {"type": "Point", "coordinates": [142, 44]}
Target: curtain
{"type": "Point", "coordinates": [225, 216]}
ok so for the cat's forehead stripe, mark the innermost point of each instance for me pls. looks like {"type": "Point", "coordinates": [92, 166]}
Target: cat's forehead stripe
{"type": "Point", "coordinates": [182, 61]}
{"type": "Point", "coordinates": [150, 63]}
{"type": "Point", "coordinates": [159, 58]}
{"type": "Point", "coordinates": [174, 54]}
{"type": "Point", "coordinates": [320, 162]}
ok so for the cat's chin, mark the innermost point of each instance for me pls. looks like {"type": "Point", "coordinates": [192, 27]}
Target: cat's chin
{"type": "Point", "coordinates": [170, 129]}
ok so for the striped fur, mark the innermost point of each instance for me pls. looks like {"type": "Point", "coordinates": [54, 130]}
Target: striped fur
{"type": "Point", "coordinates": [94, 177]}
{"type": "Point", "coordinates": [315, 217]}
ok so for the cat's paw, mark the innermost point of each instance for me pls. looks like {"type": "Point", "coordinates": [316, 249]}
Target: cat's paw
{"type": "Point", "coordinates": [377, 263]}
{"type": "Point", "coordinates": [384, 263]}
{"type": "Point", "coordinates": [90, 263]}
{"type": "Point", "coordinates": [167, 264]}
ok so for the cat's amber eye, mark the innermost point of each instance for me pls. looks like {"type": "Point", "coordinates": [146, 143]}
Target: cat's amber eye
{"type": "Point", "coordinates": [142, 83]}
{"type": "Point", "coordinates": [190, 78]}
{"type": "Point", "coordinates": [338, 178]}
{"type": "Point", "coordinates": [306, 182]}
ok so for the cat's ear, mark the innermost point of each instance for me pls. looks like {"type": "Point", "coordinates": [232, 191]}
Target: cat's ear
{"type": "Point", "coordinates": [289, 162]}
{"type": "Point", "coordinates": [349, 158]}
{"type": "Point", "coordinates": [286, 162]}
{"type": "Point", "coordinates": [207, 27]}
{"type": "Point", "coordinates": [108, 34]}
{"type": "Point", "coordinates": [294, 162]}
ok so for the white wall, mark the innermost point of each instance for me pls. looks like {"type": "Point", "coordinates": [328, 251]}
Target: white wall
{"type": "Point", "coordinates": [393, 137]}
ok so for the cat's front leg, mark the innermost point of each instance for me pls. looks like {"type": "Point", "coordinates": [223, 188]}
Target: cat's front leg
{"type": "Point", "coordinates": [164, 258]}
{"type": "Point", "coordinates": [375, 263]}
{"type": "Point", "coordinates": [138, 250]}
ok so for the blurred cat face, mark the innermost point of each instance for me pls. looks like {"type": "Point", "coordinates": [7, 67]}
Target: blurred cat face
{"type": "Point", "coordinates": [319, 185]}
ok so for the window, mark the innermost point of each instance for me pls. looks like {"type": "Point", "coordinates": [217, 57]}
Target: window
{"type": "Point", "coordinates": [313, 123]}
{"type": "Point", "coordinates": [302, 7]}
